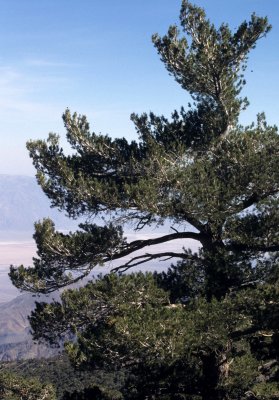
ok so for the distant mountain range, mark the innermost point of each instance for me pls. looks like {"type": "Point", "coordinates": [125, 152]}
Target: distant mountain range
{"type": "Point", "coordinates": [15, 338]}
{"type": "Point", "coordinates": [22, 202]}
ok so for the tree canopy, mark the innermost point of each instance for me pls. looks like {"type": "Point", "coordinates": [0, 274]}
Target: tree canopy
{"type": "Point", "coordinates": [199, 168]}
{"type": "Point", "coordinates": [213, 181]}
{"type": "Point", "coordinates": [14, 387]}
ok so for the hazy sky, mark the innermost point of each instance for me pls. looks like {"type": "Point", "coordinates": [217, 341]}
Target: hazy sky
{"type": "Point", "coordinates": [96, 57]}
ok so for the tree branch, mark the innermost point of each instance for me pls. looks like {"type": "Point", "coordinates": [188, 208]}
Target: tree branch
{"type": "Point", "coordinates": [140, 244]}
{"type": "Point", "coordinates": [148, 257]}
{"type": "Point", "coordinates": [255, 198]}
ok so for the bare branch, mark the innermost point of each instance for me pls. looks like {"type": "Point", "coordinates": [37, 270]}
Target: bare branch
{"type": "Point", "coordinates": [140, 244]}
{"type": "Point", "coordinates": [135, 261]}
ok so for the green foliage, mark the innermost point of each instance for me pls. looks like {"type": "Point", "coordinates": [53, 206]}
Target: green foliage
{"type": "Point", "coordinates": [64, 378]}
{"type": "Point", "coordinates": [14, 387]}
{"type": "Point", "coordinates": [171, 349]}
{"type": "Point", "coordinates": [208, 327]}
{"type": "Point", "coordinates": [95, 393]}
{"type": "Point", "coordinates": [267, 391]}
{"type": "Point", "coordinates": [210, 66]}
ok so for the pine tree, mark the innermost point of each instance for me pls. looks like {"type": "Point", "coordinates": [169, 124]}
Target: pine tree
{"type": "Point", "coordinates": [209, 314]}
{"type": "Point", "coordinates": [199, 168]}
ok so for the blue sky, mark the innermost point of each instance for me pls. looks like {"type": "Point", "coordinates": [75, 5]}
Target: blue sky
{"type": "Point", "coordinates": [96, 57]}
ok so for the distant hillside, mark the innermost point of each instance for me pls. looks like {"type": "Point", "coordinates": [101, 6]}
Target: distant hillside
{"type": "Point", "coordinates": [15, 338]}
{"type": "Point", "coordinates": [22, 202]}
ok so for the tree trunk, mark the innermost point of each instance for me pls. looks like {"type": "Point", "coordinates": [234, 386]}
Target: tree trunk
{"type": "Point", "coordinates": [210, 377]}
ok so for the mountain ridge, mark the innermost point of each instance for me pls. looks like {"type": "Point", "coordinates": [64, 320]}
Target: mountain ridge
{"type": "Point", "coordinates": [22, 202]}
{"type": "Point", "coordinates": [15, 337]}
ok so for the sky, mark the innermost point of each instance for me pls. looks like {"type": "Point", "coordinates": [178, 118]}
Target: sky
{"type": "Point", "coordinates": [96, 57]}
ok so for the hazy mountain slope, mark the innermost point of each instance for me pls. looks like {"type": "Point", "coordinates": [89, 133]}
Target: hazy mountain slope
{"type": "Point", "coordinates": [22, 202]}
{"type": "Point", "coordinates": [15, 338]}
